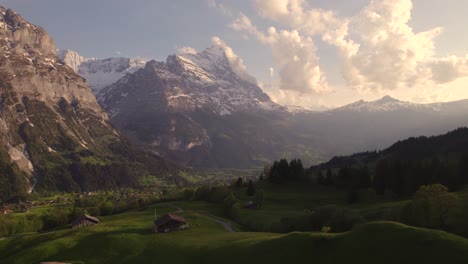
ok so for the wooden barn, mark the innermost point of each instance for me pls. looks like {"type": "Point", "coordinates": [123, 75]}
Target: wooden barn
{"type": "Point", "coordinates": [85, 220]}
{"type": "Point", "coordinates": [169, 223]}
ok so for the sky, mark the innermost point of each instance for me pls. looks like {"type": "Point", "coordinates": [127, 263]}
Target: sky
{"type": "Point", "coordinates": [316, 53]}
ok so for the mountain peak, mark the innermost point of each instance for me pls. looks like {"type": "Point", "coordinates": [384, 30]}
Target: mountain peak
{"type": "Point", "coordinates": [100, 73]}
{"type": "Point", "coordinates": [220, 58]}
{"type": "Point", "coordinates": [387, 99]}
{"type": "Point", "coordinates": [384, 104]}
{"type": "Point", "coordinates": [14, 28]}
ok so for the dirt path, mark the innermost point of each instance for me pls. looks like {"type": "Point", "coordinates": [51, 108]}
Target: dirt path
{"type": "Point", "coordinates": [227, 226]}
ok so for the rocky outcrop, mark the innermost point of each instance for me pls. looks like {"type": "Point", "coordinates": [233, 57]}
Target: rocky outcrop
{"type": "Point", "coordinates": [29, 70]}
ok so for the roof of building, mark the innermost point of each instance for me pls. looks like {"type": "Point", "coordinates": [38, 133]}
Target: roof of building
{"type": "Point", "coordinates": [167, 218]}
{"type": "Point", "coordinates": [85, 217]}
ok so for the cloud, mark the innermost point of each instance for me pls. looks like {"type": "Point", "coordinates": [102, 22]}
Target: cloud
{"type": "Point", "coordinates": [298, 15]}
{"type": "Point", "coordinates": [186, 50]}
{"type": "Point", "coordinates": [449, 69]}
{"type": "Point", "coordinates": [390, 54]}
{"type": "Point", "coordinates": [272, 72]}
{"type": "Point", "coordinates": [221, 7]}
{"type": "Point", "coordinates": [294, 55]}
{"type": "Point", "coordinates": [378, 49]}
{"type": "Point", "coordinates": [237, 63]}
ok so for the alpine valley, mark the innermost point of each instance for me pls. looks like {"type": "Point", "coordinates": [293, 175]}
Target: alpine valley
{"type": "Point", "coordinates": [189, 160]}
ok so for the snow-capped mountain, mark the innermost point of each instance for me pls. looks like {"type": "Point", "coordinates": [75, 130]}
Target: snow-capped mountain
{"type": "Point", "coordinates": [205, 80]}
{"type": "Point", "coordinates": [188, 108]}
{"type": "Point", "coordinates": [100, 73]}
{"type": "Point", "coordinates": [390, 104]}
{"type": "Point", "coordinates": [71, 58]}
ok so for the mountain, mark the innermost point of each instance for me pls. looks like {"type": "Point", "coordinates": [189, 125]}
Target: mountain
{"type": "Point", "coordinates": [100, 73]}
{"type": "Point", "coordinates": [53, 133]}
{"type": "Point", "coordinates": [203, 110]}
{"type": "Point", "coordinates": [390, 104]}
{"type": "Point", "coordinates": [199, 110]}
{"type": "Point", "coordinates": [377, 124]}
{"type": "Point", "coordinates": [205, 80]}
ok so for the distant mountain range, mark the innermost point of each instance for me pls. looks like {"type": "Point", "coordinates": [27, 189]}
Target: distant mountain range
{"type": "Point", "coordinates": [200, 110]}
{"type": "Point", "coordinates": [196, 109]}
{"type": "Point", "coordinates": [389, 104]}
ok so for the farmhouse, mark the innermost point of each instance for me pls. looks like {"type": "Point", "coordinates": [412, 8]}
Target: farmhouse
{"type": "Point", "coordinates": [169, 223]}
{"type": "Point", "coordinates": [85, 220]}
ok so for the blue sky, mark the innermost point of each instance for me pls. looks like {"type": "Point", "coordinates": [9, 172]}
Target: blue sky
{"type": "Point", "coordinates": [323, 77]}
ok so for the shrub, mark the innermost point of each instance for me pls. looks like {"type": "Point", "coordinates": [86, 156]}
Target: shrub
{"type": "Point", "coordinates": [106, 208]}
{"type": "Point", "coordinates": [337, 218]}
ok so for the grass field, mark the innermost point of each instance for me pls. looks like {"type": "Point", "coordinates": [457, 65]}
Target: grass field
{"type": "Point", "coordinates": [296, 199]}
{"type": "Point", "coordinates": [127, 238]}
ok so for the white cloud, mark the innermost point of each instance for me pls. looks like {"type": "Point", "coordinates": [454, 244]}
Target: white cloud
{"type": "Point", "coordinates": [378, 49]}
{"type": "Point", "coordinates": [236, 62]}
{"type": "Point", "coordinates": [186, 50]}
{"type": "Point", "coordinates": [449, 69]}
{"type": "Point", "coordinates": [294, 55]}
{"type": "Point", "coordinates": [221, 7]}
{"type": "Point", "coordinates": [390, 54]}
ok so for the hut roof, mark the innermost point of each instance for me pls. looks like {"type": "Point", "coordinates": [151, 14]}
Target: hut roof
{"type": "Point", "coordinates": [85, 217]}
{"type": "Point", "coordinates": [167, 218]}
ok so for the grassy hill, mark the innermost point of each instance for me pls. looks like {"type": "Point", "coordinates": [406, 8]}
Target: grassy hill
{"type": "Point", "coordinates": [127, 238]}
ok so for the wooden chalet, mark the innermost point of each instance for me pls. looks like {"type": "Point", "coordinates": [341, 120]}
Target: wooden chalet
{"type": "Point", "coordinates": [169, 223]}
{"type": "Point", "coordinates": [85, 220]}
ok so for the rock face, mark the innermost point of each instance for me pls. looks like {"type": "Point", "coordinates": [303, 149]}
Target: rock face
{"type": "Point", "coordinates": [100, 73]}
{"type": "Point", "coordinates": [31, 74]}
{"type": "Point", "coordinates": [49, 117]}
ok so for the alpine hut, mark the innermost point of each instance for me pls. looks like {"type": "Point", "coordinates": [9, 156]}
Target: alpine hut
{"type": "Point", "coordinates": [85, 220]}
{"type": "Point", "coordinates": [169, 223]}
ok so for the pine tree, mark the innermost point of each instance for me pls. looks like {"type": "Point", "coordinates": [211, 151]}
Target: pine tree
{"type": "Point", "coordinates": [239, 182]}
{"type": "Point", "coordinates": [329, 178]}
{"type": "Point", "coordinates": [250, 189]}
{"type": "Point", "coordinates": [320, 178]}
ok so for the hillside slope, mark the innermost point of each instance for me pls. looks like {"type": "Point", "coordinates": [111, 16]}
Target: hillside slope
{"type": "Point", "coordinates": [127, 238]}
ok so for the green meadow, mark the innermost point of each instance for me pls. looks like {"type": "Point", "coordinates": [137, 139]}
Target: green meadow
{"type": "Point", "coordinates": [128, 238]}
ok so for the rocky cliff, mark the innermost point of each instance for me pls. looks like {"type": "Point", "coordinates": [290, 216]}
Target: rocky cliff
{"type": "Point", "coordinates": [50, 123]}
